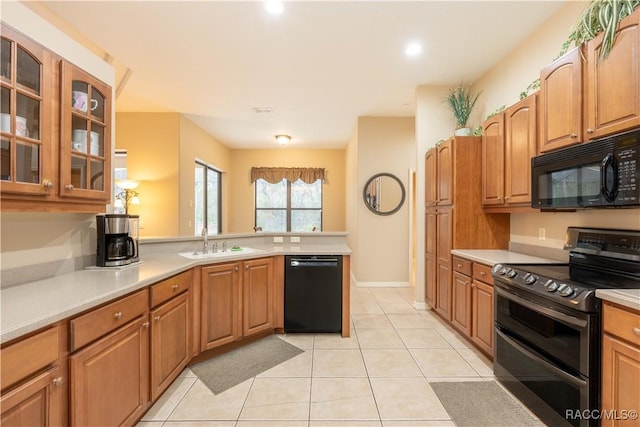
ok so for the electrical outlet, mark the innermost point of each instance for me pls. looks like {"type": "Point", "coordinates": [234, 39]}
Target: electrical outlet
{"type": "Point", "coordinates": [278, 239]}
{"type": "Point", "coordinates": [294, 239]}
{"type": "Point", "coordinates": [542, 233]}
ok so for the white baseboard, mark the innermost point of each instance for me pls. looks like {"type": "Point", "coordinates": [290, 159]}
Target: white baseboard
{"type": "Point", "coordinates": [420, 305]}
{"type": "Point", "coordinates": [383, 284]}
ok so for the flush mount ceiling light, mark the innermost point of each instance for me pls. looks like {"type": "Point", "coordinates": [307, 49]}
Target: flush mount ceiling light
{"type": "Point", "coordinates": [283, 139]}
{"type": "Point", "coordinates": [274, 7]}
{"type": "Point", "coordinates": [413, 49]}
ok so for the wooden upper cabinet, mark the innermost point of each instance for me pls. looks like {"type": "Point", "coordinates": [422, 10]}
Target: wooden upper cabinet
{"type": "Point", "coordinates": [444, 173]}
{"type": "Point", "coordinates": [493, 161]}
{"type": "Point", "coordinates": [520, 146]}
{"type": "Point", "coordinates": [561, 102]}
{"type": "Point", "coordinates": [431, 178]}
{"type": "Point", "coordinates": [55, 131]}
{"type": "Point", "coordinates": [85, 155]}
{"type": "Point", "coordinates": [26, 142]}
{"type": "Point", "coordinates": [613, 84]}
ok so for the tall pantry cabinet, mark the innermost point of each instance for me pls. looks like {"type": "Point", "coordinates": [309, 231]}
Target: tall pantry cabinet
{"type": "Point", "coordinates": [454, 215]}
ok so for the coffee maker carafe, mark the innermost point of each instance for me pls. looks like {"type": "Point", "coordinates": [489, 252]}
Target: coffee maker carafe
{"type": "Point", "coordinates": [117, 240]}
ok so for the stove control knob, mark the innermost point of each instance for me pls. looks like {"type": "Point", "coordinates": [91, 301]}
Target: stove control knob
{"type": "Point", "coordinates": [551, 286]}
{"type": "Point", "coordinates": [530, 279]}
{"type": "Point", "coordinates": [498, 269]}
{"type": "Point", "coordinates": [567, 291]}
{"type": "Point", "coordinates": [511, 273]}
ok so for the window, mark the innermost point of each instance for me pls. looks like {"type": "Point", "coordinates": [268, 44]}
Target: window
{"type": "Point", "coordinates": [207, 199]}
{"type": "Point", "coordinates": [289, 206]}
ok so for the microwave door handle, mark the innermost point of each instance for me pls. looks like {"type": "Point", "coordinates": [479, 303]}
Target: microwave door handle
{"type": "Point", "coordinates": [609, 164]}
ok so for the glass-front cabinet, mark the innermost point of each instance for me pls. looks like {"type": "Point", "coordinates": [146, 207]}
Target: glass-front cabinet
{"type": "Point", "coordinates": [85, 145]}
{"type": "Point", "coordinates": [55, 131]}
{"type": "Point", "coordinates": [25, 115]}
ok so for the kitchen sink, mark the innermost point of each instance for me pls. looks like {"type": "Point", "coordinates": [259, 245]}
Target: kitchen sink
{"type": "Point", "coordinates": [220, 254]}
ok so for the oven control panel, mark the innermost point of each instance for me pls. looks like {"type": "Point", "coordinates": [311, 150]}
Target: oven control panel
{"type": "Point", "coordinates": [556, 288]}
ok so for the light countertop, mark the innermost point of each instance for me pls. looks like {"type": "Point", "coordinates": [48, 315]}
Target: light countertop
{"type": "Point", "coordinates": [28, 307]}
{"type": "Point", "coordinates": [500, 256]}
{"type": "Point", "coordinates": [626, 297]}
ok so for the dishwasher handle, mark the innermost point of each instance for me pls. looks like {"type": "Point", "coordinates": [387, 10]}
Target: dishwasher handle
{"type": "Point", "coordinates": [308, 262]}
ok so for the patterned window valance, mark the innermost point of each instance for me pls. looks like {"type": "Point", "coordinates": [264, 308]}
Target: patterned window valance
{"type": "Point", "coordinates": [275, 175]}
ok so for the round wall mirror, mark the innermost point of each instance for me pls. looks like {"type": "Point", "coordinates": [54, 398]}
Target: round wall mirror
{"type": "Point", "coordinates": [383, 194]}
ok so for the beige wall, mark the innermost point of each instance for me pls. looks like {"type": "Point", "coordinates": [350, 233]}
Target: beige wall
{"type": "Point", "coordinates": [381, 248]}
{"type": "Point", "coordinates": [242, 196]}
{"type": "Point", "coordinates": [152, 141]}
{"type": "Point", "coordinates": [195, 143]}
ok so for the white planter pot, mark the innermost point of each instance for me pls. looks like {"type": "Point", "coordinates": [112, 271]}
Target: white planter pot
{"type": "Point", "coordinates": [462, 132]}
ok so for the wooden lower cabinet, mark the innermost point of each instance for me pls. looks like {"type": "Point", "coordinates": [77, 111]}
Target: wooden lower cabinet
{"type": "Point", "coordinates": [257, 296]}
{"type": "Point", "coordinates": [221, 311]}
{"type": "Point", "coordinates": [482, 316]}
{"type": "Point", "coordinates": [34, 403]}
{"type": "Point", "coordinates": [170, 344]}
{"type": "Point", "coordinates": [472, 303]}
{"type": "Point", "coordinates": [110, 378]}
{"type": "Point", "coordinates": [620, 365]}
{"type": "Point", "coordinates": [34, 384]}
{"type": "Point", "coordinates": [235, 304]}
{"type": "Point", "coordinates": [461, 311]}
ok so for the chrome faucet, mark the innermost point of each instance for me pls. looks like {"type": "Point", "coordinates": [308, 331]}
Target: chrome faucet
{"type": "Point", "coordinates": [205, 242]}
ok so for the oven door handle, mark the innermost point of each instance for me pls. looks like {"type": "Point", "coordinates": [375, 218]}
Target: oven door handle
{"type": "Point", "coordinates": [550, 366]}
{"type": "Point", "coordinates": [581, 323]}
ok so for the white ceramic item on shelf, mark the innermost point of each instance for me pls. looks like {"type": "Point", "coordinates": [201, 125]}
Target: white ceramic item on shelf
{"type": "Point", "coordinates": [95, 143]}
{"type": "Point", "coordinates": [21, 126]}
{"type": "Point", "coordinates": [79, 140]}
{"type": "Point", "coordinates": [80, 101]}
{"type": "Point", "coordinates": [5, 122]}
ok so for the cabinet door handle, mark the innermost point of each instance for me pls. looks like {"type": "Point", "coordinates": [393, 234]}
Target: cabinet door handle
{"type": "Point", "coordinates": [246, 267]}
{"type": "Point", "coordinates": [47, 184]}
{"type": "Point", "coordinates": [589, 130]}
{"type": "Point", "coordinates": [157, 318]}
{"type": "Point", "coordinates": [118, 315]}
{"type": "Point", "coordinates": [68, 187]}
{"type": "Point", "coordinates": [636, 331]}
{"type": "Point", "coordinates": [145, 325]}
{"type": "Point", "coordinates": [57, 381]}
{"type": "Point", "coordinates": [175, 287]}
{"type": "Point", "coordinates": [574, 135]}
{"type": "Point", "coordinates": [482, 273]}
{"type": "Point", "coordinates": [236, 269]}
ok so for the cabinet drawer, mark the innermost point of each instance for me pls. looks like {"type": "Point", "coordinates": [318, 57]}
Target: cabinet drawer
{"type": "Point", "coordinates": [28, 356]}
{"type": "Point", "coordinates": [101, 321]}
{"type": "Point", "coordinates": [483, 273]}
{"type": "Point", "coordinates": [168, 288]}
{"type": "Point", "coordinates": [622, 323]}
{"type": "Point", "coordinates": [462, 265]}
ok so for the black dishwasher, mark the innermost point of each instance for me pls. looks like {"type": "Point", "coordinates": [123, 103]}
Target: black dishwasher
{"type": "Point", "coordinates": [313, 293]}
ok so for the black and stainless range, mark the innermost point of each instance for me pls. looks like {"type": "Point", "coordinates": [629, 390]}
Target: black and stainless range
{"type": "Point", "coordinates": [547, 348]}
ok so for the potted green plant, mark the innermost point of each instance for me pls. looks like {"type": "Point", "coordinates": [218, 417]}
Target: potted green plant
{"type": "Point", "coordinates": [461, 101]}
{"type": "Point", "coordinates": [600, 16]}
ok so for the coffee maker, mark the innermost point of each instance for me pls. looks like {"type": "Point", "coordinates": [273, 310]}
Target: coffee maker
{"type": "Point", "coordinates": [117, 240]}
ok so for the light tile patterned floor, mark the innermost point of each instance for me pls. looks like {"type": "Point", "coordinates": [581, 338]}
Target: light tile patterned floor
{"type": "Point", "coordinates": [379, 377]}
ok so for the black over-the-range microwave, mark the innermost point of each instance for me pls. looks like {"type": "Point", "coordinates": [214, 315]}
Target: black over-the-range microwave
{"type": "Point", "coordinates": [601, 173]}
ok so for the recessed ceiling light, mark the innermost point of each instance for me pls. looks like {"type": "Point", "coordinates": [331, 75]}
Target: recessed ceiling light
{"type": "Point", "coordinates": [275, 7]}
{"type": "Point", "coordinates": [413, 49]}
